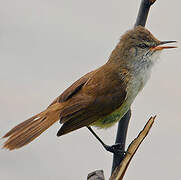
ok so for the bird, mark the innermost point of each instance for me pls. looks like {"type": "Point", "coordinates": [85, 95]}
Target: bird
{"type": "Point", "coordinates": [101, 97]}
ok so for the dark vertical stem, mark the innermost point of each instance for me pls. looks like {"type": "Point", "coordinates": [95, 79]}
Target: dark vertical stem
{"type": "Point", "coordinates": [124, 122]}
{"type": "Point", "coordinates": [143, 12]}
{"type": "Point", "coordinates": [121, 138]}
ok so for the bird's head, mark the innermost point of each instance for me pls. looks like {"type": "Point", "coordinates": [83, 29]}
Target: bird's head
{"type": "Point", "coordinates": [139, 46]}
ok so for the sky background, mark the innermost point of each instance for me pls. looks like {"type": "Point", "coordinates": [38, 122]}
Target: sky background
{"type": "Point", "coordinates": [45, 45]}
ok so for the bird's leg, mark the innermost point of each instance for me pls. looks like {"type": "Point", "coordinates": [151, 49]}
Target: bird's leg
{"type": "Point", "coordinates": [115, 149]}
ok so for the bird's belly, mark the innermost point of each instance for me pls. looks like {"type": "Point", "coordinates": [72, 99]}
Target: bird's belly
{"type": "Point", "coordinates": [110, 119]}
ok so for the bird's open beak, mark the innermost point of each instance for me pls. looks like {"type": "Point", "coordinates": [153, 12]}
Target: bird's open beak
{"type": "Point", "coordinates": [159, 47]}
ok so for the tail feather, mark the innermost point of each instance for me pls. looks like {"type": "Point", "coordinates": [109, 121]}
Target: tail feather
{"type": "Point", "coordinates": [30, 129]}
{"type": "Point", "coordinates": [19, 126]}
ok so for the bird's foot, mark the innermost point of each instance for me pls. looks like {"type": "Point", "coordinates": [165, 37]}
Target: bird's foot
{"type": "Point", "coordinates": [116, 149]}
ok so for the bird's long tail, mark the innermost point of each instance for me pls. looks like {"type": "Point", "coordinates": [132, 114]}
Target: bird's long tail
{"type": "Point", "coordinates": [30, 129]}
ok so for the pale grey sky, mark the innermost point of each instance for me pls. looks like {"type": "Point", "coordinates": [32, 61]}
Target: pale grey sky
{"type": "Point", "coordinates": [45, 46]}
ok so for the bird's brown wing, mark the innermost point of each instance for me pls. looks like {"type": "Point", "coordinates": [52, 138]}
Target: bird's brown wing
{"type": "Point", "coordinates": [102, 93]}
{"type": "Point", "coordinates": [73, 89]}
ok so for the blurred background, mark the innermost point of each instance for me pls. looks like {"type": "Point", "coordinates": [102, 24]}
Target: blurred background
{"type": "Point", "coordinates": [45, 46]}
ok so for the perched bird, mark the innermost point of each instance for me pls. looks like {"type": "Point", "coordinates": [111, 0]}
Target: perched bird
{"type": "Point", "coordinates": [101, 97]}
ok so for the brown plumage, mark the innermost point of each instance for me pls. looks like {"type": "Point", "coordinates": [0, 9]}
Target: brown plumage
{"type": "Point", "coordinates": [28, 130]}
{"type": "Point", "coordinates": [80, 105]}
{"type": "Point", "coordinates": [99, 98]}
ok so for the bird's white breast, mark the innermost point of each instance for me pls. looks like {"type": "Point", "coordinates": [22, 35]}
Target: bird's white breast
{"type": "Point", "coordinates": [140, 76]}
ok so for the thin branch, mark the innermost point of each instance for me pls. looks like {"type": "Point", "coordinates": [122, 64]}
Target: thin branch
{"type": "Point", "coordinates": [133, 147]}
{"type": "Point", "coordinates": [143, 12]}
{"type": "Point", "coordinates": [124, 122]}
{"type": "Point", "coordinates": [121, 138]}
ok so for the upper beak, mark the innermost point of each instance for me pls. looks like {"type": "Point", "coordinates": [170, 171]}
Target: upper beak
{"type": "Point", "coordinates": [158, 47]}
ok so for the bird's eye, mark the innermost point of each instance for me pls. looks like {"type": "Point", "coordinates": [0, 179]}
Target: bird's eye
{"type": "Point", "coordinates": [143, 46]}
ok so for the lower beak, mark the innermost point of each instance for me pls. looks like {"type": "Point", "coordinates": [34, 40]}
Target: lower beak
{"type": "Point", "coordinates": [158, 48]}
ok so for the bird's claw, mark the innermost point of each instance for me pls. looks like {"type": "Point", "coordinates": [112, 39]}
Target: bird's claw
{"type": "Point", "coordinates": [115, 149]}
